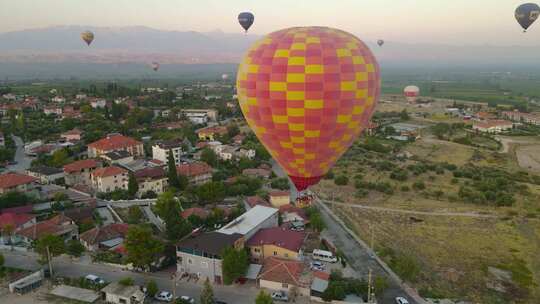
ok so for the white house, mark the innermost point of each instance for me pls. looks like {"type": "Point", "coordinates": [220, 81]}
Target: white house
{"type": "Point", "coordinates": [160, 151]}
{"type": "Point", "coordinates": [98, 103]}
{"type": "Point", "coordinates": [123, 294]}
{"type": "Point", "coordinates": [252, 221]}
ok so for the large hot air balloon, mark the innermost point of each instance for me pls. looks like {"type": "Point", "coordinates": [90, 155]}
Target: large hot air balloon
{"type": "Point", "coordinates": [411, 93]}
{"type": "Point", "coordinates": [526, 14]}
{"type": "Point", "coordinates": [380, 42]}
{"type": "Point", "coordinates": [155, 66]}
{"type": "Point", "coordinates": [246, 20]}
{"type": "Point", "coordinates": [307, 93]}
{"type": "Point", "coordinates": [88, 37]}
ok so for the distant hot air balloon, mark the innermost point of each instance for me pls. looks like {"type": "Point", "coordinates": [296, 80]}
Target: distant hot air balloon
{"type": "Point", "coordinates": [411, 93]}
{"type": "Point", "coordinates": [380, 42]}
{"type": "Point", "coordinates": [88, 37]}
{"type": "Point", "coordinates": [225, 76]}
{"type": "Point", "coordinates": [308, 93]}
{"type": "Point", "coordinates": [526, 14]}
{"type": "Point", "coordinates": [155, 66]}
{"type": "Point", "coordinates": [246, 20]}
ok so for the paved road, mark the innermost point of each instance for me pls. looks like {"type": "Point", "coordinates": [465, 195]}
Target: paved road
{"type": "Point", "coordinates": [435, 213]}
{"type": "Point", "coordinates": [23, 161]}
{"type": "Point", "coordinates": [64, 266]}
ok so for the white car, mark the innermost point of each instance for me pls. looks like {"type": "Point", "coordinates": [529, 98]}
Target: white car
{"type": "Point", "coordinates": [187, 299]}
{"type": "Point", "coordinates": [280, 296]}
{"type": "Point", "coordinates": [401, 300]}
{"type": "Point", "coordinates": [315, 265]}
{"type": "Point", "coordinates": [164, 296]}
{"type": "Point", "coordinates": [94, 279]}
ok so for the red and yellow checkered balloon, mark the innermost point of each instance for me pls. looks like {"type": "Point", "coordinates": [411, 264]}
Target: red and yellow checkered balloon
{"type": "Point", "coordinates": [307, 93]}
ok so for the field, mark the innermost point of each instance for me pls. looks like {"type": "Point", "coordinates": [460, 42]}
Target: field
{"type": "Point", "coordinates": [452, 248]}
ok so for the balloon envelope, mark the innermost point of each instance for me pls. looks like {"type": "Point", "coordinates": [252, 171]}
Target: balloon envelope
{"type": "Point", "coordinates": [308, 93]}
{"type": "Point", "coordinates": [225, 76]}
{"type": "Point", "coordinates": [411, 93]}
{"type": "Point", "coordinates": [155, 66]}
{"type": "Point", "coordinates": [246, 20]}
{"type": "Point", "coordinates": [526, 14]}
{"type": "Point", "coordinates": [88, 37]}
{"type": "Point", "coordinates": [380, 42]}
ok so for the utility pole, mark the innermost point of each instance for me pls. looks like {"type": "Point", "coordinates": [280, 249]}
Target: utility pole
{"type": "Point", "coordinates": [49, 260]}
{"type": "Point", "coordinates": [372, 239]}
{"type": "Point", "coordinates": [369, 287]}
{"type": "Point", "coordinates": [174, 285]}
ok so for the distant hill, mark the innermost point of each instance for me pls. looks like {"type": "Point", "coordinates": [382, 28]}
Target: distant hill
{"type": "Point", "coordinates": [127, 52]}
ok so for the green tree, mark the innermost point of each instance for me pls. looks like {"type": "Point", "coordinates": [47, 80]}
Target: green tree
{"type": "Point", "coordinates": [151, 288]}
{"type": "Point", "coordinates": [142, 248]}
{"type": "Point", "coordinates": [2, 261]}
{"type": "Point", "coordinates": [263, 298]}
{"type": "Point", "coordinates": [59, 158]}
{"type": "Point", "coordinates": [341, 180]}
{"type": "Point", "coordinates": [168, 208]}
{"type": "Point", "coordinates": [135, 215]}
{"type": "Point", "coordinates": [74, 248]}
{"type": "Point", "coordinates": [133, 186]}
{"type": "Point", "coordinates": [127, 281]}
{"type": "Point", "coordinates": [209, 156]}
{"type": "Point", "coordinates": [183, 182]}
{"type": "Point", "coordinates": [404, 115]}
{"type": "Point", "coordinates": [234, 264]}
{"type": "Point", "coordinates": [211, 192]}
{"type": "Point", "coordinates": [174, 181]}
{"type": "Point", "coordinates": [53, 243]}
{"type": "Point", "coordinates": [207, 294]}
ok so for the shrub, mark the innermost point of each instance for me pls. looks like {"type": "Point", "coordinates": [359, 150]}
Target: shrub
{"type": "Point", "coordinates": [419, 185]}
{"type": "Point", "coordinates": [341, 180]}
{"type": "Point", "coordinates": [405, 188]}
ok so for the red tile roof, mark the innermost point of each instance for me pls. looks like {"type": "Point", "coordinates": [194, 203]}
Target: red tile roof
{"type": "Point", "coordinates": [114, 142]}
{"type": "Point", "coordinates": [200, 212]}
{"type": "Point", "coordinates": [279, 193]}
{"type": "Point", "coordinates": [493, 123]}
{"type": "Point", "coordinates": [105, 233]}
{"type": "Point", "coordinates": [282, 271]}
{"type": "Point", "coordinates": [56, 226]}
{"type": "Point", "coordinates": [150, 173]}
{"type": "Point", "coordinates": [108, 171]}
{"type": "Point", "coordinates": [257, 172]}
{"type": "Point", "coordinates": [80, 165]}
{"type": "Point", "coordinates": [10, 180]}
{"type": "Point", "coordinates": [253, 201]}
{"type": "Point", "coordinates": [14, 219]}
{"type": "Point", "coordinates": [193, 169]}
{"type": "Point", "coordinates": [322, 275]}
{"type": "Point", "coordinates": [288, 239]}
{"type": "Point", "coordinates": [222, 130]}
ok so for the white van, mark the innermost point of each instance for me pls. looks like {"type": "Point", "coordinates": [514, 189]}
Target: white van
{"type": "Point", "coordinates": [323, 255]}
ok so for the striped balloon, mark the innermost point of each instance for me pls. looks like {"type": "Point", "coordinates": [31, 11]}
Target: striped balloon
{"type": "Point", "coordinates": [307, 93]}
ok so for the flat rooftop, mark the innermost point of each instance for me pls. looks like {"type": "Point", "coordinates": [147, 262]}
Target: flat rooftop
{"type": "Point", "coordinates": [249, 220]}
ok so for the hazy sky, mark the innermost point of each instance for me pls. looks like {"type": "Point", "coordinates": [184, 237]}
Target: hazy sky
{"type": "Point", "coordinates": [431, 21]}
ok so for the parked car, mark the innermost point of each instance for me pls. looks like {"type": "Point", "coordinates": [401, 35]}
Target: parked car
{"type": "Point", "coordinates": [164, 296]}
{"type": "Point", "coordinates": [401, 300]}
{"type": "Point", "coordinates": [94, 279]}
{"type": "Point", "coordinates": [280, 296]}
{"type": "Point", "coordinates": [186, 299]}
{"type": "Point", "coordinates": [315, 265]}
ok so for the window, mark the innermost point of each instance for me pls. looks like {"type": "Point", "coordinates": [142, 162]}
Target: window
{"type": "Point", "coordinates": [256, 250]}
{"type": "Point", "coordinates": [285, 285]}
{"type": "Point", "coordinates": [122, 301]}
{"type": "Point", "coordinates": [286, 255]}
{"type": "Point", "coordinates": [275, 252]}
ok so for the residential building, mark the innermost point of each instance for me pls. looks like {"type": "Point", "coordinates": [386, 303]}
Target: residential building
{"type": "Point", "coordinates": [78, 172]}
{"type": "Point", "coordinates": [105, 237]}
{"type": "Point", "coordinates": [210, 113]}
{"type": "Point", "coordinates": [81, 96]}
{"type": "Point", "coordinates": [161, 149]}
{"type": "Point", "coordinates": [72, 135]}
{"type": "Point", "coordinates": [284, 275]}
{"type": "Point", "coordinates": [151, 179]}
{"type": "Point", "coordinates": [46, 175]}
{"type": "Point", "coordinates": [252, 201]}
{"type": "Point", "coordinates": [276, 242]}
{"type": "Point", "coordinates": [115, 142]}
{"type": "Point", "coordinates": [253, 220]}
{"type": "Point", "coordinates": [197, 118]}
{"type": "Point", "coordinates": [530, 118]}
{"type": "Point", "coordinates": [58, 99]}
{"type": "Point", "coordinates": [211, 133]}
{"type": "Point", "coordinates": [98, 103]}
{"type": "Point", "coordinates": [15, 222]}
{"type": "Point", "coordinates": [279, 198]}
{"type": "Point", "coordinates": [60, 225]}
{"type": "Point", "coordinates": [226, 152]}
{"type": "Point", "coordinates": [49, 110]}
{"type": "Point", "coordinates": [2, 140]}
{"type": "Point", "coordinates": [82, 215]}
{"type": "Point", "coordinates": [195, 211]}
{"type": "Point", "coordinates": [17, 182]}
{"type": "Point", "coordinates": [239, 139]}
{"type": "Point", "coordinates": [197, 173]}
{"type": "Point", "coordinates": [117, 293]}
{"type": "Point", "coordinates": [245, 153]}
{"type": "Point", "coordinates": [108, 179]}
{"type": "Point", "coordinates": [257, 173]}
{"type": "Point", "coordinates": [201, 254]}
{"type": "Point", "coordinates": [492, 126]}
{"type": "Point", "coordinates": [120, 157]}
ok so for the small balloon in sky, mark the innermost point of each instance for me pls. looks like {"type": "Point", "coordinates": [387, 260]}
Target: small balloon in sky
{"type": "Point", "coordinates": [246, 20]}
{"type": "Point", "coordinates": [155, 66]}
{"type": "Point", "coordinates": [526, 14]}
{"type": "Point", "coordinates": [380, 42]}
{"type": "Point", "coordinates": [88, 37]}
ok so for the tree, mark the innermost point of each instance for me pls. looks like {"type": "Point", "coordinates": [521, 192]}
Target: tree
{"type": "Point", "coordinates": [211, 192]}
{"type": "Point", "coordinates": [151, 288]}
{"type": "Point", "coordinates": [7, 231]}
{"type": "Point", "coordinates": [404, 115]}
{"type": "Point", "coordinates": [133, 186]}
{"type": "Point", "coordinates": [281, 183]}
{"type": "Point", "coordinates": [135, 215]}
{"type": "Point", "coordinates": [341, 180]}
{"type": "Point", "coordinates": [74, 248]}
{"type": "Point", "coordinates": [234, 264]}
{"type": "Point", "coordinates": [59, 158]}
{"type": "Point", "coordinates": [263, 298]}
{"type": "Point", "coordinates": [142, 248]}
{"type": "Point", "coordinates": [172, 173]}
{"type": "Point", "coordinates": [168, 208]}
{"type": "Point", "coordinates": [49, 245]}
{"type": "Point", "coordinates": [209, 156]}
{"type": "Point", "coordinates": [2, 260]}
{"type": "Point", "coordinates": [207, 294]}
{"type": "Point", "coordinates": [127, 281]}
{"type": "Point", "coordinates": [183, 182]}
